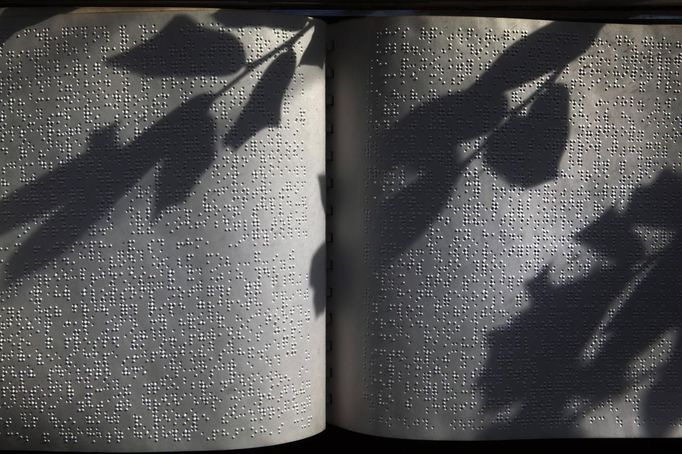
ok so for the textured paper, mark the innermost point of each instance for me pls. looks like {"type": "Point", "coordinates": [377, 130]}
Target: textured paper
{"type": "Point", "coordinates": [507, 229]}
{"type": "Point", "coordinates": [161, 230]}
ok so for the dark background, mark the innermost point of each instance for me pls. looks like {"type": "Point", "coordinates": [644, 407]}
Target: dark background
{"type": "Point", "coordinates": [431, 5]}
{"type": "Point", "coordinates": [355, 443]}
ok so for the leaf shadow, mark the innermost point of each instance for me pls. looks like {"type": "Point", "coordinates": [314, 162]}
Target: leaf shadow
{"type": "Point", "coordinates": [13, 20]}
{"type": "Point", "coordinates": [264, 106]}
{"type": "Point", "coordinates": [66, 202]}
{"type": "Point", "coordinates": [184, 48]}
{"type": "Point", "coordinates": [524, 157]}
{"type": "Point", "coordinates": [651, 311]}
{"type": "Point", "coordinates": [77, 194]}
{"type": "Point", "coordinates": [537, 361]}
{"type": "Point", "coordinates": [416, 165]}
{"type": "Point", "coordinates": [523, 150]}
{"type": "Point", "coordinates": [314, 53]}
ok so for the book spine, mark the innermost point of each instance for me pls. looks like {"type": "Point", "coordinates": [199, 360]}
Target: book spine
{"type": "Point", "coordinates": [329, 208]}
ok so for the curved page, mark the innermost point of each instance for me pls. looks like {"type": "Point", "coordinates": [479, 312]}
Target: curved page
{"type": "Point", "coordinates": [508, 221]}
{"type": "Point", "coordinates": [160, 231]}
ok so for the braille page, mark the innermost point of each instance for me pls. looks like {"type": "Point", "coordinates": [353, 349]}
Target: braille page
{"type": "Point", "coordinates": [161, 230]}
{"type": "Point", "coordinates": [508, 210]}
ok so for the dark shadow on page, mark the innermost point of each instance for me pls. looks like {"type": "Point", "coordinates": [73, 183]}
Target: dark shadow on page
{"type": "Point", "coordinates": [184, 48]}
{"type": "Point", "coordinates": [521, 146]}
{"type": "Point", "coordinates": [651, 311]}
{"type": "Point", "coordinates": [79, 193]}
{"type": "Point", "coordinates": [314, 52]}
{"type": "Point", "coordinates": [523, 149]}
{"type": "Point", "coordinates": [264, 107]}
{"type": "Point", "coordinates": [318, 266]}
{"type": "Point", "coordinates": [526, 150]}
{"type": "Point", "coordinates": [13, 20]}
{"type": "Point", "coordinates": [180, 147]}
{"type": "Point", "coordinates": [537, 361]}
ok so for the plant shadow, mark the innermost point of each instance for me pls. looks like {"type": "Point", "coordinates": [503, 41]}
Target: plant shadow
{"type": "Point", "coordinates": [69, 200]}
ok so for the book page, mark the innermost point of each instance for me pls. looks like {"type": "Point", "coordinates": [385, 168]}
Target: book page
{"type": "Point", "coordinates": [161, 229]}
{"type": "Point", "coordinates": [507, 208]}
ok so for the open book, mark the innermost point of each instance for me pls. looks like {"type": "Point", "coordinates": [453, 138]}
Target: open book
{"type": "Point", "coordinates": [502, 222]}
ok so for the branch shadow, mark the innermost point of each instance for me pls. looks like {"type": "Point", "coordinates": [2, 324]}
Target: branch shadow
{"type": "Point", "coordinates": [522, 149]}
{"type": "Point", "coordinates": [417, 166]}
{"type": "Point", "coordinates": [180, 147]}
{"type": "Point", "coordinates": [263, 109]}
{"type": "Point", "coordinates": [537, 361]}
{"type": "Point", "coordinates": [537, 376]}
